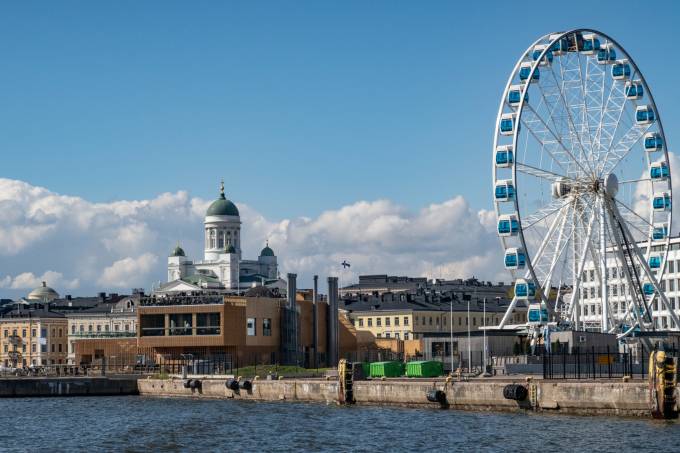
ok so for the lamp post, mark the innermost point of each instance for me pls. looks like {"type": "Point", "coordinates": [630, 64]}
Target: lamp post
{"type": "Point", "coordinates": [451, 334]}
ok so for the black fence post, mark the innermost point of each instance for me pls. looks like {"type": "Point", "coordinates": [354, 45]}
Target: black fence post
{"type": "Point", "coordinates": [609, 363]}
{"type": "Point", "coordinates": [578, 363]}
{"type": "Point", "coordinates": [592, 359]}
{"type": "Point", "coordinates": [564, 365]}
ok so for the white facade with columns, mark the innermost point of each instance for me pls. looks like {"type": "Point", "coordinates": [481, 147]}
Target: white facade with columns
{"type": "Point", "coordinates": [222, 265]}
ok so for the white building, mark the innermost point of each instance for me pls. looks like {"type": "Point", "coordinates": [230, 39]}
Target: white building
{"type": "Point", "coordinates": [618, 289]}
{"type": "Point", "coordinates": [222, 266]}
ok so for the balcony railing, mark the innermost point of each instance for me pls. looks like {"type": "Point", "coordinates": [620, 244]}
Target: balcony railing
{"type": "Point", "coordinates": [128, 334]}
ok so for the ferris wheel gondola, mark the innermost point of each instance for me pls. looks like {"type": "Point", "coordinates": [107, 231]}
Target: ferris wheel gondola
{"type": "Point", "coordinates": [577, 212]}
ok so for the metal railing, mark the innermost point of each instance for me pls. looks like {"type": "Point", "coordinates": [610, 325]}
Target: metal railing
{"type": "Point", "coordinates": [592, 364]}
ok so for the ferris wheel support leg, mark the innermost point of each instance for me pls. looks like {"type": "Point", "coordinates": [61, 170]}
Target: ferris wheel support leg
{"type": "Point", "coordinates": [575, 299]}
{"type": "Point", "coordinates": [603, 270]}
{"type": "Point", "coordinates": [649, 274]}
{"type": "Point", "coordinates": [637, 298]}
{"type": "Point", "coordinates": [508, 312]}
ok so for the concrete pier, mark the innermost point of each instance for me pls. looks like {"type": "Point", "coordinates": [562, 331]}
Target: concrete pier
{"type": "Point", "coordinates": [581, 398]}
{"type": "Point", "coordinates": [67, 386]}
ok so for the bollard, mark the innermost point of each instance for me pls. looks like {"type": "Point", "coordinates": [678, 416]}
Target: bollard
{"type": "Point", "coordinates": [184, 371]}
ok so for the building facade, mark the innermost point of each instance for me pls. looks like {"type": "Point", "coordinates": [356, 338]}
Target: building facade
{"type": "Point", "coordinates": [33, 336]}
{"type": "Point", "coordinates": [411, 317]}
{"type": "Point", "coordinates": [590, 301]}
{"type": "Point", "coordinates": [222, 266]}
{"type": "Point", "coordinates": [108, 320]}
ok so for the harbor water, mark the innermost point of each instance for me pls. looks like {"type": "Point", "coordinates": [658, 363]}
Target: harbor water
{"type": "Point", "coordinates": [142, 424]}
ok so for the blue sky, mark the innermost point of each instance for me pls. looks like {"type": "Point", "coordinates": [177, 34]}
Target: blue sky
{"type": "Point", "coordinates": [344, 130]}
{"type": "Point", "coordinates": [300, 106]}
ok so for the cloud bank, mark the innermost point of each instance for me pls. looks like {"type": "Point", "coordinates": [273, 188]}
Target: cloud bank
{"type": "Point", "coordinates": [81, 247]}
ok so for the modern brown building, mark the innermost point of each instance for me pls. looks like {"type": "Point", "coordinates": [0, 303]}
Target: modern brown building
{"type": "Point", "coordinates": [247, 330]}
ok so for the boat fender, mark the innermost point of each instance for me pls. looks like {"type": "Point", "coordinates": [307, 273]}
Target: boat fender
{"type": "Point", "coordinates": [515, 392]}
{"type": "Point", "coordinates": [436, 396]}
{"type": "Point", "coordinates": [245, 385]}
{"type": "Point", "coordinates": [195, 384]}
{"type": "Point", "coordinates": [231, 384]}
{"type": "Point", "coordinates": [187, 383]}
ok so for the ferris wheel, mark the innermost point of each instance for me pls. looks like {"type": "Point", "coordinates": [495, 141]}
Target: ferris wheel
{"type": "Point", "coordinates": [582, 187]}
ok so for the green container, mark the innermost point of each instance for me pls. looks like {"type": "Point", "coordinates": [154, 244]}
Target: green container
{"type": "Point", "coordinates": [424, 368]}
{"type": "Point", "coordinates": [387, 369]}
{"type": "Point", "coordinates": [366, 368]}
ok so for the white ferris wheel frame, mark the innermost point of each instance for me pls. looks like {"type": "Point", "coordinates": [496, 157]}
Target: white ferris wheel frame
{"type": "Point", "coordinates": [637, 305]}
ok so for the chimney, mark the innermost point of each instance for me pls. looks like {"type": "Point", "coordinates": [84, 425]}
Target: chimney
{"type": "Point", "coordinates": [315, 320]}
{"type": "Point", "coordinates": [333, 328]}
{"type": "Point", "coordinates": [102, 296]}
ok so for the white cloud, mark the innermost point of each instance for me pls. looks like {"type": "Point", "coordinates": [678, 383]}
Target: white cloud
{"type": "Point", "coordinates": [123, 244]}
{"type": "Point", "coordinates": [129, 271]}
{"type": "Point", "coordinates": [28, 280]}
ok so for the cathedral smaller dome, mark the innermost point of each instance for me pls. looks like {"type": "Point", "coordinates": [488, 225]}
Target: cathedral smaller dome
{"type": "Point", "coordinates": [43, 294]}
{"type": "Point", "coordinates": [267, 251]}
{"type": "Point", "coordinates": [178, 251]}
{"type": "Point", "coordinates": [222, 206]}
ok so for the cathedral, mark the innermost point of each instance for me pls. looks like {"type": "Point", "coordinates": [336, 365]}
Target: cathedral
{"type": "Point", "coordinates": [222, 267]}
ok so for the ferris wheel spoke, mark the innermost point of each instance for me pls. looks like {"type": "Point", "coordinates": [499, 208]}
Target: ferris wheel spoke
{"type": "Point", "coordinates": [542, 213]}
{"type": "Point", "coordinates": [540, 173]}
{"type": "Point", "coordinates": [612, 114]}
{"type": "Point", "coordinates": [574, 132]}
{"type": "Point", "coordinates": [619, 152]}
{"type": "Point", "coordinates": [547, 137]}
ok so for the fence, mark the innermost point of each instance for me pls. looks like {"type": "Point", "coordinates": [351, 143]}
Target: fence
{"type": "Point", "coordinates": [593, 365]}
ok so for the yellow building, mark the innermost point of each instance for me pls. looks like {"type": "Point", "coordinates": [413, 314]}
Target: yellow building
{"type": "Point", "coordinates": [412, 319]}
{"type": "Point", "coordinates": [32, 336]}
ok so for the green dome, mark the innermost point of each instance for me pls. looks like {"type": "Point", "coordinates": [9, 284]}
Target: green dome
{"type": "Point", "coordinates": [231, 249]}
{"type": "Point", "coordinates": [222, 206]}
{"type": "Point", "coordinates": [178, 251]}
{"type": "Point", "coordinates": [267, 251]}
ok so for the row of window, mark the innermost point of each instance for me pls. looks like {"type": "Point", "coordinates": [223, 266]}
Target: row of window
{"type": "Point", "coordinates": [425, 321]}
{"type": "Point", "coordinates": [90, 329]}
{"type": "Point", "coordinates": [34, 333]}
{"type": "Point", "coordinates": [595, 309]}
{"type": "Point", "coordinates": [219, 238]}
{"type": "Point", "coordinates": [180, 324]}
{"type": "Point", "coordinates": [34, 348]}
{"type": "Point", "coordinates": [251, 327]}
{"type": "Point", "coordinates": [34, 362]}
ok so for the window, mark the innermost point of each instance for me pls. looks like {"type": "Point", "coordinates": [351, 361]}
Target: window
{"type": "Point", "coordinates": [378, 322]}
{"type": "Point", "coordinates": [387, 321]}
{"type": "Point", "coordinates": [460, 321]}
{"type": "Point", "coordinates": [33, 347]}
{"type": "Point", "coordinates": [73, 329]}
{"type": "Point", "coordinates": [6, 334]}
{"type": "Point", "coordinates": [405, 335]}
{"type": "Point", "coordinates": [116, 328]}
{"type": "Point", "coordinates": [361, 322]}
{"type": "Point", "coordinates": [152, 325]}
{"type": "Point", "coordinates": [6, 348]}
{"type": "Point", "coordinates": [370, 322]}
{"type": "Point", "coordinates": [180, 324]}
{"type": "Point", "coordinates": [89, 328]}
{"type": "Point", "coordinates": [671, 302]}
{"type": "Point", "coordinates": [474, 321]}
{"type": "Point", "coordinates": [671, 285]}
{"type": "Point", "coordinates": [106, 327]}
{"type": "Point", "coordinates": [33, 333]}
{"type": "Point", "coordinates": [61, 333]}
{"type": "Point", "coordinates": [436, 321]}
{"type": "Point", "coordinates": [671, 267]}
{"type": "Point", "coordinates": [387, 334]}
{"type": "Point", "coordinates": [82, 328]}
{"type": "Point", "coordinates": [127, 327]}
{"type": "Point", "coordinates": [250, 327]}
{"type": "Point", "coordinates": [396, 335]}
{"type": "Point", "coordinates": [59, 347]}
{"type": "Point", "coordinates": [405, 320]}
{"type": "Point", "coordinates": [52, 347]}
{"type": "Point", "coordinates": [396, 320]}
{"type": "Point", "coordinates": [267, 327]}
{"type": "Point", "coordinates": [23, 333]}
{"type": "Point", "coordinates": [430, 320]}
{"type": "Point", "coordinates": [99, 328]}
{"type": "Point", "coordinates": [43, 333]}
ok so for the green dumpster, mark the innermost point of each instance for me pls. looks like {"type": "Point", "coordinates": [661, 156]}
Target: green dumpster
{"type": "Point", "coordinates": [424, 368]}
{"type": "Point", "coordinates": [387, 369]}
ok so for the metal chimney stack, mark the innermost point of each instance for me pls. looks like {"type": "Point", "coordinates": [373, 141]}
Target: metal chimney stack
{"type": "Point", "coordinates": [333, 327]}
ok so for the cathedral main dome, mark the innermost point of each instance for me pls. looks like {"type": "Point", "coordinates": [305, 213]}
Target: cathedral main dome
{"type": "Point", "coordinates": [222, 206]}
